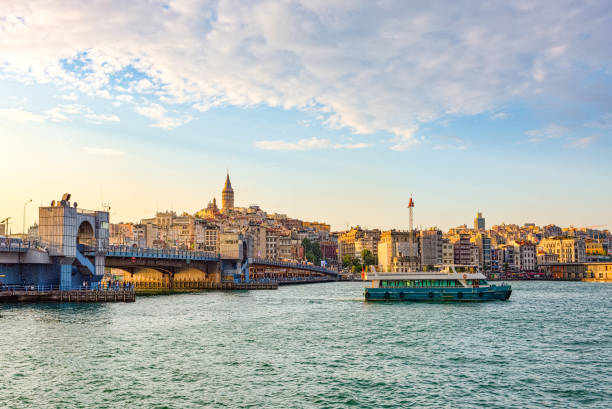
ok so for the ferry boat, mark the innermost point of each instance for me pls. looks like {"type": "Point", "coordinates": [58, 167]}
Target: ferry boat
{"type": "Point", "coordinates": [447, 284]}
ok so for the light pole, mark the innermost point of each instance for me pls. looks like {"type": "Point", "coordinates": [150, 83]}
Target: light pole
{"type": "Point", "coordinates": [24, 206]}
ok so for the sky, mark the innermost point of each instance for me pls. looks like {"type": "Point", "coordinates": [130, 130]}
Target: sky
{"type": "Point", "coordinates": [324, 110]}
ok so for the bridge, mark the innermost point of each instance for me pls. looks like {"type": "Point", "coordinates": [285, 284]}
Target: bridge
{"type": "Point", "coordinates": [162, 268]}
{"type": "Point", "coordinates": [73, 249]}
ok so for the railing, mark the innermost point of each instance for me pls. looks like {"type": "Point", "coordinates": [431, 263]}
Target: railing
{"type": "Point", "coordinates": [42, 288]}
{"type": "Point", "coordinates": [128, 251]}
{"type": "Point", "coordinates": [287, 264]}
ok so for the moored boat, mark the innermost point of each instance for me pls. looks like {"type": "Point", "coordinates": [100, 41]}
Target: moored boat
{"type": "Point", "coordinates": [447, 284]}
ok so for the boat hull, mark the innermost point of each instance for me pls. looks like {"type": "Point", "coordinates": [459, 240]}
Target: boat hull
{"type": "Point", "coordinates": [491, 293]}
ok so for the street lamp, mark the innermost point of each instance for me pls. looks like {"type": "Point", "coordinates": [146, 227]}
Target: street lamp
{"type": "Point", "coordinates": [24, 206]}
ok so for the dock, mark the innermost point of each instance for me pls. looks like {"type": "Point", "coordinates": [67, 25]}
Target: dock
{"type": "Point", "coordinates": [78, 296]}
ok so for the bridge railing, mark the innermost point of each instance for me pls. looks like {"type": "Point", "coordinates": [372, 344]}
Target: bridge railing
{"type": "Point", "coordinates": [92, 287]}
{"type": "Point", "coordinates": [128, 251]}
{"type": "Point", "coordinates": [302, 266]}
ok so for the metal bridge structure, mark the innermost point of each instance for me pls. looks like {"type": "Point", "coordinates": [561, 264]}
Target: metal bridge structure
{"type": "Point", "coordinates": [183, 269]}
{"type": "Point", "coordinates": [32, 263]}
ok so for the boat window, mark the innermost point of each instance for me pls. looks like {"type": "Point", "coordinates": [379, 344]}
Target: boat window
{"type": "Point", "coordinates": [383, 283]}
{"type": "Point", "coordinates": [483, 282]}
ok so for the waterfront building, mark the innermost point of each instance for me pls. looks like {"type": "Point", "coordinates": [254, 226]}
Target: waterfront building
{"type": "Point", "coordinates": [601, 271]}
{"type": "Point", "coordinates": [510, 259]}
{"type": "Point", "coordinates": [545, 258]}
{"type": "Point", "coordinates": [206, 236]}
{"type": "Point", "coordinates": [474, 255]}
{"type": "Point", "coordinates": [346, 241]}
{"type": "Point", "coordinates": [272, 242]}
{"type": "Point", "coordinates": [462, 249]}
{"type": "Point", "coordinates": [329, 250]}
{"type": "Point", "coordinates": [594, 248]}
{"type": "Point", "coordinates": [145, 235]}
{"type": "Point", "coordinates": [367, 242]}
{"type": "Point", "coordinates": [395, 252]}
{"type": "Point", "coordinates": [479, 222]}
{"type": "Point", "coordinates": [567, 249]}
{"type": "Point", "coordinates": [497, 259]}
{"type": "Point", "coordinates": [431, 247]}
{"type": "Point", "coordinates": [525, 255]}
{"type": "Point", "coordinates": [121, 233]}
{"type": "Point", "coordinates": [483, 242]}
{"type": "Point", "coordinates": [448, 252]}
{"type": "Point", "coordinates": [227, 196]}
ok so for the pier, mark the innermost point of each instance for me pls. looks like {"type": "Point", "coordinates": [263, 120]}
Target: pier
{"type": "Point", "coordinates": [33, 294]}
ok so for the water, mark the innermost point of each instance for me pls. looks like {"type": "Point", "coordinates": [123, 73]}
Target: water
{"type": "Point", "coordinates": [312, 346]}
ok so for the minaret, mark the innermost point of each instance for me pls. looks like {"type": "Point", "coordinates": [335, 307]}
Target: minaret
{"type": "Point", "coordinates": [227, 196]}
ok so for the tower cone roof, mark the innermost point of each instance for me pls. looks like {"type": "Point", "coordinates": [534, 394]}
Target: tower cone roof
{"type": "Point", "coordinates": [228, 184]}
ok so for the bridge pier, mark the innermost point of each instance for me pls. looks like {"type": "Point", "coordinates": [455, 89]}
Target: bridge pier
{"type": "Point", "coordinates": [65, 276]}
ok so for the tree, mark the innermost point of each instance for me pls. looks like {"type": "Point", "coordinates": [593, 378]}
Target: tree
{"type": "Point", "coordinates": [368, 258]}
{"type": "Point", "coordinates": [356, 265]}
{"type": "Point", "coordinates": [346, 261]}
{"type": "Point", "coordinates": [312, 251]}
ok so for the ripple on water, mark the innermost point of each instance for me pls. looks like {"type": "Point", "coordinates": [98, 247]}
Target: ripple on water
{"type": "Point", "coordinates": [313, 346]}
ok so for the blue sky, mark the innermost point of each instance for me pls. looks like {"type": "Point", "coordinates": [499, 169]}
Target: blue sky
{"type": "Point", "coordinates": [323, 110]}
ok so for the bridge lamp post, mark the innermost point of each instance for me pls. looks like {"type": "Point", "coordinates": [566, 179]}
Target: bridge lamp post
{"type": "Point", "coordinates": [24, 207]}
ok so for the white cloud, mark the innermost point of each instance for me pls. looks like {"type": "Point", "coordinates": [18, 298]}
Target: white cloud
{"type": "Point", "coordinates": [102, 118]}
{"type": "Point", "coordinates": [104, 151]}
{"type": "Point", "coordinates": [548, 132]}
{"type": "Point", "coordinates": [20, 115]}
{"type": "Point", "coordinates": [152, 111]}
{"type": "Point", "coordinates": [448, 142]}
{"type": "Point", "coordinates": [70, 97]}
{"type": "Point", "coordinates": [158, 113]}
{"type": "Point", "coordinates": [307, 144]}
{"type": "Point", "coordinates": [499, 115]}
{"type": "Point", "coordinates": [125, 98]}
{"type": "Point", "coordinates": [366, 66]}
{"type": "Point", "coordinates": [582, 142]}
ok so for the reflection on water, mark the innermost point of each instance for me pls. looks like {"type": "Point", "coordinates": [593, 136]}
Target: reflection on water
{"type": "Point", "coordinates": [312, 346]}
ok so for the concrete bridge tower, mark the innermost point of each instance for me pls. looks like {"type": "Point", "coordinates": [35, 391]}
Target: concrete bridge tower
{"type": "Point", "coordinates": [70, 236]}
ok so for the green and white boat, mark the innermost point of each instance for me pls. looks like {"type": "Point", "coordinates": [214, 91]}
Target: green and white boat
{"type": "Point", "coordinates": [450, 283]}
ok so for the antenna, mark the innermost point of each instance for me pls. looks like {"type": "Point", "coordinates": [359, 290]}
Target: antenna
{"type": "Point", "coordinates": [411, 236]}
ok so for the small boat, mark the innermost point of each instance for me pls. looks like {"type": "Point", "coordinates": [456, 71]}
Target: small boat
{"type": "Point", "coordinates": [450, 283]}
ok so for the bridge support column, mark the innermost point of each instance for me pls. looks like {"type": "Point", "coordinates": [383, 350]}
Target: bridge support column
{"type": "Point", "coordinates": [99, 262]}
{"type": "Point", "coordinates": [65, 276]}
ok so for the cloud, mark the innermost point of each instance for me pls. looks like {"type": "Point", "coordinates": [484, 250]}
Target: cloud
{"type": "Point", "coordinates": [158, 113]}
{"type": "Point", "coordinates": [70, 97]}
{"type": "Point", "coordinates": [104, 151]}
{"type": "Point", "coordinates": [125, 98]}
{"type": "Point", "coordinates": [500, 115]}
{"type": "Point", "coordinates": [369, 67]}
{"type": "Point", "coordinates": [405, 139]}
{"type": "Point", "coordinates": [102, 118]}
{"type": "Point", "coordinates": [307, 144]}
{"type": "Point", "coordinates": [548, 132]}
{"type": "Point", "coordinates": [449, 142]}
{"type": "Point", "coordinates": [582, 142]}
{"type": "Point", "coordinates": [20, 115]}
